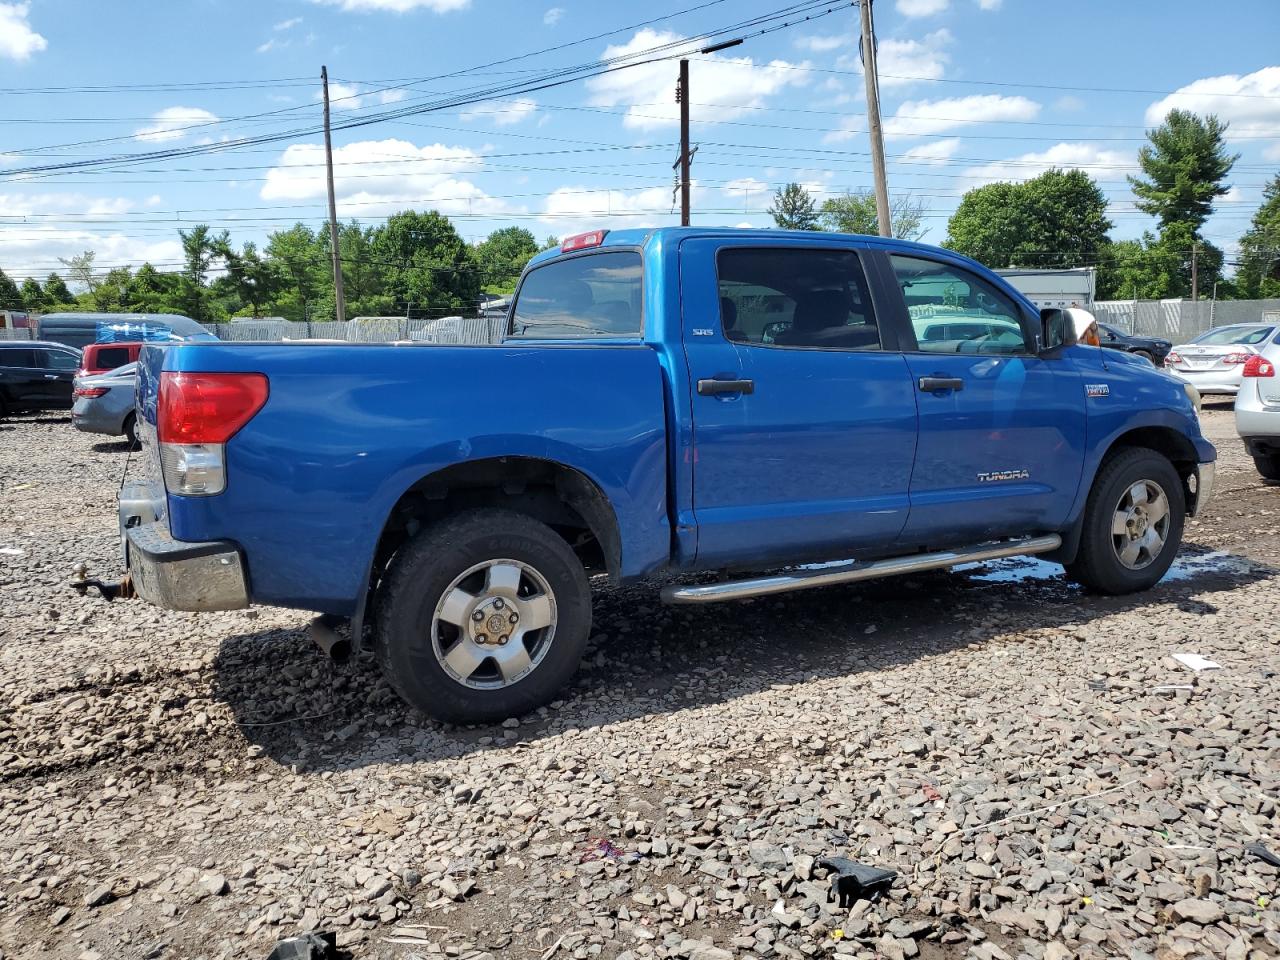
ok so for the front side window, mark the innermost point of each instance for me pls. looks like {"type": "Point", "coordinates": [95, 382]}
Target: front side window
{"type": "Point", "coordinates": [17, 358]}
{"type": "Point", "coordinates": [597, 295]}
{"type": "Point", "coordinates": [795, 297]}
{"type": "Point", "coordinates": [953, 310]}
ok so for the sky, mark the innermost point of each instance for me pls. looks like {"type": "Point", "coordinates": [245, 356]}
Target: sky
{"type": "Point", "coordinates": [972, 91]}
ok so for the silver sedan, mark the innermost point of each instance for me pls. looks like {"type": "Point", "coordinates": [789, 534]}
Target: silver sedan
{"type": "Point", "coordinates": [1213, 361]}
{"type": "Point", "coordinates": [104, 402]}
{"type": "Point", "coordinates": [1258, 410]}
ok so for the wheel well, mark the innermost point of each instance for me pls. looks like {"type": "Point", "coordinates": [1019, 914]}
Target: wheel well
{"type": "Point", "coordinates": [1163, 440]}
{"type": "Point", "coordinates": [563, 498]}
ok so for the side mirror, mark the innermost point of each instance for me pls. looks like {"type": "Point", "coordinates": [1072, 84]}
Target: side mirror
{"type": "Point", "coordinates": [1056, 329]}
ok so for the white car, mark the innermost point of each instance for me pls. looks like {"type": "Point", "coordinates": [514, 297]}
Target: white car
{"type": "Point", "coordinates": [1258, 410]}
{"type": "Point", "coordinates": [1213, 361]}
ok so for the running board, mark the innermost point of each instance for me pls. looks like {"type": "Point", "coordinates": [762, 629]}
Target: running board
{"type": "Point", "coordinates": [852, 571]}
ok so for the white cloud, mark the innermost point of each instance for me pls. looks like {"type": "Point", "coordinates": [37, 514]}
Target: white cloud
{"type": "Point", "coordinates": [934, 152]}
{"type": "Point", "coordinates": [392, 96]}
{"type": "Point", "coordinates": [922, 8]}
{"type": "Point", "coordinates": [378, 177]}
{"type": "Point", "coordinates": [902, 62]}
{"type": "Point", "coordinates": [1272, 152]}
{"type": "Point", "coordinates": [396, 6]}
{"type": "Point", "coordinates": [352, 96]}
{"type": "Point", "coordinates": [848, 128]}
{"type": "Point", "coordinates": [17, 40]}
{"type": "Point", "coordinates": [552, 16]}
{"type": "Point", "coordinates": [921, 118]}
{"type": "Point", "coordinates": [571, 210]}
{"type": "Point", "coordinates": [503, 113]}
{"type": "Point", "coordinates": [990, 4]}
{"type": "Point", "coordinates": [723, 87]}
{"type": "Point", "coordinates": [287, 24]}
{"type": "Point", "coordinates": [1069, 104]}
{"type": "Point", "coordinates": [1250, 102]}
{"type": "Point", "coordinates": [820, 44]}
{"type": "Point", "coordinates": [272, 44]}
{"type": "Point", "coordinates": [745, 192]}
{"type": "Point", "coordinates": [1099, 163]}
{"type": "Point", "coordinates": [171, 124]}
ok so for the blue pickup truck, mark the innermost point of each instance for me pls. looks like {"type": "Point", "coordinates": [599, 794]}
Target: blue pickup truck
{"type": "Point", "coordinates": [787, 410]}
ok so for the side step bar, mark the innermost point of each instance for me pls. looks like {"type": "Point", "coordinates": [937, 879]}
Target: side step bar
{"type": "Point", "coordinates": [828, 574]}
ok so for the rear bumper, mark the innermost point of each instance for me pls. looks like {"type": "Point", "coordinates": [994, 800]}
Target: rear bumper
{"type": "Point", "coordinates": [177, 574]}
{"type": "Point", "coordinates": [1209, 381]}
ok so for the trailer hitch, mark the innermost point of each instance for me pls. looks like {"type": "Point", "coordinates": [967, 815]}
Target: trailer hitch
{"type": "Point", "coordinates": [122, 590]}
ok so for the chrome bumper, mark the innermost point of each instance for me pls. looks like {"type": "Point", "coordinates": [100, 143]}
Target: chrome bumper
{"type": "Point", "coordinates": [177, 574]}
{"type": "Point", "coordinates": [1202, 487]}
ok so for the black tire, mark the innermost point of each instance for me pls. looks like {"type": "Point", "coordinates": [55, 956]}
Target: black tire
{"type": "Point", "coordinates": [1098, 565]}
{"type": "Point", "coordinates": [426, 567]}
{"type": "Point", "coordinates": [1268, 466]}
{"type": "Point", "coordinates": [1144, 355]}
{"type": "Point", "coordinates": [131, 430]}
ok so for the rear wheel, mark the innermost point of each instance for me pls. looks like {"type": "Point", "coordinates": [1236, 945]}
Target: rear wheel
{"type": "Point", "coordinates": [484, 616]}
{"type": "Point", "coordinates": [1144, 355]}
{"type": "Point", "coordinates": [1132, 524]}
{"type": "Point", "coordinates": [1268, 465]}
{"type": "Point", "coordinates": [131, 431]}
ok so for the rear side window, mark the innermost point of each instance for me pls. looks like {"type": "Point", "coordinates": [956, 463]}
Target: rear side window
{"type": "Point", "coordinates": [17, 358]}
{"type": "Point", "coordinates": [60, 360]}
{"type": "Point", "coordinates": [1232, 335]}
{"type": "Point", "coordinates": [597, 295]}
{"type": "Point", "coordinates": [108, 358]}
{"type": "Point", "coordinates": [795, 297]}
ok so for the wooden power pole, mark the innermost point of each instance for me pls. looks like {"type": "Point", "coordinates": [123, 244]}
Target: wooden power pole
{"type": "Point", "coordinates": [872, 79]}
{"type": "Point", "coordinates": [682, 97]}
{"type": "Point", "coordinates": [1195, 270]}
{"type": "Point", "coordinates": [339, 299]}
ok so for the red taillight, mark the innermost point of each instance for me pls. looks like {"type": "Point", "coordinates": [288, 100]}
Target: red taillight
{"type": "Point", "coordinates": [582, 241]}
{"type": "Point", "coordinates": [1258, 366]}
{"type": "Point", "coordinates": [207, 407]}
{"type": "Point", "coordinates": [1231, 359]}
{"type": "Point", "coordinates": [90, 392]}
{"type": "Point", "coordinates": [1173, 357]}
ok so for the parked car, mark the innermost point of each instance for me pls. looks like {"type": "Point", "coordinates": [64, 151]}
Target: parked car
{"type": "Point", "coordinates": [35, 375]}
{"type": "Point", "coordinates": [104, 403]}
{"type": "Point", "coordinates": [1258, 410]}
{"type": "Point", "coordinates": [81, 329]}
{"type": "Point", "coordinates": [1152, 348]}
{"type": "Point", "coordinates": [1213, 361]}
{"type": "Point", "coordinates": [636, 421]}
{"type": "Point", "coordinates": [102, 357]}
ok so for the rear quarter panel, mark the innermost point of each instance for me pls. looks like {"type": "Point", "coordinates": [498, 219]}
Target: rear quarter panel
{"type": "Point", "coordinates": [347, 429]}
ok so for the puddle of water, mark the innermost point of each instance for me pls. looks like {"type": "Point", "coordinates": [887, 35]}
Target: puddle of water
{"type": "Point", "coordinates": [1020, 569]}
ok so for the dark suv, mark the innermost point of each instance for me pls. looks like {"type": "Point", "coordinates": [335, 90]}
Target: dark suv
{"type": "Point", "coordinates": [36, 376]}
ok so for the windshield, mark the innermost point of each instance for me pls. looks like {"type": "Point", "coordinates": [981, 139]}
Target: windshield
{"type": "Point", "coordinates": [1230, 335]}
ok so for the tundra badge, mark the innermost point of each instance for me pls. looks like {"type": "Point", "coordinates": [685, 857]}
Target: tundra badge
{"type": "Point", "coordinates": [994, 476]}
{"type": "Point", "coordinates": [1097, 390]}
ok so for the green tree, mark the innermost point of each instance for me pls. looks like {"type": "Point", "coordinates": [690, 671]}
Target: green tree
{"type": "Point", "coordinates": [550, 243]}
{"type": "Point", "coordinates": [112, 292]}
{"type": "Point", "coordinates": [1058, 219]}
{"type": "Point", "coordinates": [1184, 167]}
{"type": "Point", "coordinates": [151, 291]}
{"type": "Point", "coordinates": [1260, 248]}
{"type": "Point", "coordinates": [433, 271]}
{"type": "Point", "coordinates": [10, 295]}
{"type": "Point", "coordinates": [793, 208]}
{"type": "Point", "coordinates": [856, 213]}
{"type": "Point", "coordinates": [56, 292]}
{"type": "Point", "coordinates": [249, 280]}
{"type": "Point", "coordinates": [80, 269]}
{"type": "Point", "coordinates": [200, 248]}
{"type": "Point", "coordinates": [298, 262]}
{"type": "Point", "coordinates": [502, 255]}
{"type": "Point", "coordinates": [33, 295]}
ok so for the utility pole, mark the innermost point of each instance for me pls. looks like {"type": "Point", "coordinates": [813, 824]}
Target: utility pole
{"type": "Point", "coordinates": [1195, 272]}
{"type": "Point", "coordinates": [872, 79]}
{"type": "Point", "coordinates": [339, 299]}
{"type": "Point", "coordinates": [682, 98]}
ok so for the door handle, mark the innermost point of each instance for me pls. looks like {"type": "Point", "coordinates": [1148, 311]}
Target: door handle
{"type": "Point", "coordinates": [930, 384]}
{"type": "Point", "coordinates": [709, 388]}
{"type": "Point", "coordinates": [51, 376]}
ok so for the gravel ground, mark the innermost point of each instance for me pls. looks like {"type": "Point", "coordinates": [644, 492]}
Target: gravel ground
{"type": "Point", "coordinates": [1047, 782]}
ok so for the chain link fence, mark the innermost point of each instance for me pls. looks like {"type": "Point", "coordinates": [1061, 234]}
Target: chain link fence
{"type": "Point", "coordinates": [441, 330]}
{"type": "Point", "coordinates": [1181, 320]}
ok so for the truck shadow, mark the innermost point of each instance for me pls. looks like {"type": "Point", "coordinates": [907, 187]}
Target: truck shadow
{"type": "Point", "coordinates": [646, 658]}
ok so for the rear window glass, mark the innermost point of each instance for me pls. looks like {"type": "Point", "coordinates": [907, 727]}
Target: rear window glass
{"type": "Point", "coordinates": [17, 358]}
{"type": "Point", "coordinates": [1230, 335]}
{"type": "Point", "coordinates": [108, 358]}
{"type": "Point", "coordinates": [597, 295]}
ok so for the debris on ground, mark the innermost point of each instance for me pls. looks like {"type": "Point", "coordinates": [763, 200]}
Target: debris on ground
{"type": "Point", "coordinates": [855, 881]}
{"type": "Point", "coordinates": [1194, 661]}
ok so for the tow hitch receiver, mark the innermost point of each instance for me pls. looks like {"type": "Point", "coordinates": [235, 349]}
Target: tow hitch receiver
{"type": "Point", "coordinates": [122, 590]}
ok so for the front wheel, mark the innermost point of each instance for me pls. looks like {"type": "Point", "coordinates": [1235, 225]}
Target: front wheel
{"type": "Point", "coordinates": [1268, 465]}
{"type": "Point", "coordinates": [484, 616]}
{"type": "Point", "coordinates": [1144, 355]}
{"type": "Point", "coordinates": [1132, 524]}
{"type": "Point", "coordinates": [131, 431]}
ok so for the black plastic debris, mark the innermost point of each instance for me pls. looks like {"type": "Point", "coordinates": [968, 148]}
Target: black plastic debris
{"type": "Point", "coordinates": [1262, 853]}
{"type": "Point", "coordinates": [856, 881]}
{"type": "Point", "coordinates": [308, 946]}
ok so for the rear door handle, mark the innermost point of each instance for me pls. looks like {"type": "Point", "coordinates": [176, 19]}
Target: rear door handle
{"type": "Point", "coordinates": [709, 388]}
{"type": "Point", "coordinates": [930, 384]}
{"type": "Point", "coordinates": [51, 376]}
